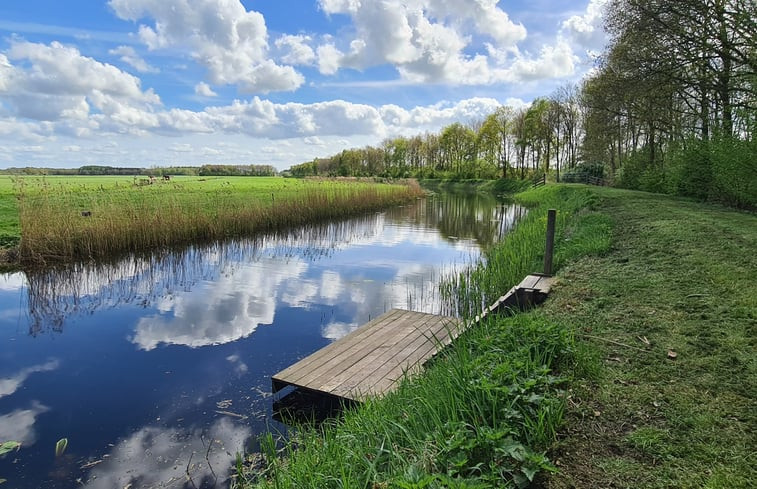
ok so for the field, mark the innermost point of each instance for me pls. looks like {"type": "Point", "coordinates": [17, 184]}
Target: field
{"type": "Point", "coordinates": [670, 313]}
{"type": "Point", "coordinates": [58, 218]}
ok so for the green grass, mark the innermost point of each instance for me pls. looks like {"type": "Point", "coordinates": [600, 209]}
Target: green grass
{"type": "Point", "coordinates": [680, 275]}
{"type": "Point", "coordinates": [127, 215]}
{"type": "Point", "coordinates": [10, 230]}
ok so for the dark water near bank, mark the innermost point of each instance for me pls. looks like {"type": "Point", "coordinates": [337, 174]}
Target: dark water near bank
{"type": "Point", "coordinates": [158, 367]}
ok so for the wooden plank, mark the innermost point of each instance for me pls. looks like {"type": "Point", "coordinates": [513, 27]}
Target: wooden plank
{"type": "Point", "coordinates": [329, 352]}
{"type": "Point", "coordinates": [381, 335]}
{"type": "Point", "coordinates": [363, 361]}
{"type": "Point", "coordinates": [376, 354]}
{"type": "Point", "coordinates": [529, 282]}
{"type": "Point", "coordinates": [544, 285]}
{"type": "Point", "coordinates": [370, 360]}
{"type": "Point", "coordinates": [391, 365]}
{"type": "Point", "coordinates": [414, 359]}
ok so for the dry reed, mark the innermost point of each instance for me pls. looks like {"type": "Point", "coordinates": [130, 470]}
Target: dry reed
{"type": "Point", "coordinates": [59, 225]}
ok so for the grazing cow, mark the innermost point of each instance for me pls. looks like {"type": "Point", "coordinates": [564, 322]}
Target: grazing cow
{"type": "Point", "coordinates": [86, 213]}
{"type": "Point", "coordinates": [166, 177]}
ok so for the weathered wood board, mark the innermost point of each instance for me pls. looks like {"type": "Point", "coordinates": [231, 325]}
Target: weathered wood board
{"type": "Point", "coordinates": [370, 360]}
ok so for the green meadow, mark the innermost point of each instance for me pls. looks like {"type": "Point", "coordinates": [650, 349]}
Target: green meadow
{"type": "Point", "coordinates": [60, 217]}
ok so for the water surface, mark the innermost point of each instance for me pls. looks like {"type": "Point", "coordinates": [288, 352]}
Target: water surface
{"type": "Point", "coordinates": [157, 368]}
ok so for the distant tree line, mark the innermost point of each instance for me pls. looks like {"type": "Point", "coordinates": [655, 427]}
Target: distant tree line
{"type": "Point", "coordinates": [237, 170]}
{"type": "Point", "coordinates": [671, 107]}
{"type": "Point", "coordinates": [508, 143]}
{"type": "Point", "coordinates": [205, 170]}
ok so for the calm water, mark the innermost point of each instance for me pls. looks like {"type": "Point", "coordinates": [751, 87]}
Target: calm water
{"type": "Point", "coordinates": [156, 367]}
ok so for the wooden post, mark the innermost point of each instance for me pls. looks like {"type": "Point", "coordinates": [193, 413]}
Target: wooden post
{"type": "Point", "coordinates": [550, 248]}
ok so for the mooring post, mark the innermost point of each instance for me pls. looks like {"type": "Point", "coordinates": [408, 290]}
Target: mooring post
{"type": "Point", "coordinates": [550, 248]}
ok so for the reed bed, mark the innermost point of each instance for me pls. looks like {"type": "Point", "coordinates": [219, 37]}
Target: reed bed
{"type": "Point", "coordinates": [64, 222]}
{"type": "Point", "coordinates": [484, 413]}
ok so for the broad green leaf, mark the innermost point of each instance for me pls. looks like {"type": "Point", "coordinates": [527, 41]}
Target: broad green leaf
{"type": "Point", "coordinates": [9, 446]}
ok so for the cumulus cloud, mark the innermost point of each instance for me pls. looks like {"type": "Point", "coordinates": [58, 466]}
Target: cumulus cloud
{"type": "Point", "coordinates": [426, 40]}
{"type": "Point", "coordinates": [62, 70]}
{"type": "Point", "coordinates": [553, 62]}
{"type": "Point", "coordinates": [314, 141]}
{"type": "Point", "coordinates": [227, 312]}
{"type": "Point", "coordinates": [311, 124]}
{"type": "Point", "coordinates": [128, 55]}
{"type": "Point", "coordinates": [296, 49]}
{"type": "Point", "coordinates": [228, 40]}
{"type": "Point", "coordinates": [204, 90]}
{"type": "Point", "coordinates": [57, 83]}
{"type": "Point", "coordinates": [586, 29]}
{"type": "Point", "coordinates": [149, 457]}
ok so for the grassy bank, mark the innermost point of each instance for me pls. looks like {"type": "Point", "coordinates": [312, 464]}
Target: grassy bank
{"type": "Point", "coordinates": [83, 217]}
{"type": "Point", "coordinates": [485, 412]}
{"type": "Point", "coordinates": [671, 316]}
{"type": "Point", "coordinates": [638, 372]}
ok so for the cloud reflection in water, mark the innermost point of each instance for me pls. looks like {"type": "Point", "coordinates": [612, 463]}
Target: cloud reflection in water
{"type": "Point", "coordinates": [161, 457]}
{"type": "Point", "coordinates": [9, 385]}
{"type": "Point", "coordinates": [18, 425]}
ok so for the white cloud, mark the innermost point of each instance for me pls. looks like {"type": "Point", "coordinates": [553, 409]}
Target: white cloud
{"type": "Point", "coordinates": [128, 55]}
{"type": "Point", "coordinates": [62, 70]}
{"type": "Point", "coordinates": [553, 62]}
{"type": "Point", "coordinates": [296, 50]}
{"type": "Point", "coordinates": [586, 29]}
{"type": "Point", "coordinates": [336, 330]}
{"type": "Point", "coordinates": [56, 83]}
{"type": "Point", "coordinates": [149, 457]}
{"type": "Point", "coordinates": [314, 141]}
{"type": "Point", "coordinates": [204, 90]}
{"type": "Point", "coordinates": [181, 148]}
{"type": "Point", "coordinates": [325, 126]}
{"type": "Point", "coordinates": [229, 41]}
{"type": "Point", "coordinates": [426, 40]}
{"type": "Point", "coordinates": [227, 312]}
{"type": "Point", "coordinates": [329, 59]}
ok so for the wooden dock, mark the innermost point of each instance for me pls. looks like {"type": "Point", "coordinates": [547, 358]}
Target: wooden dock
{"type": "Point", "coordinates": [369, 361]}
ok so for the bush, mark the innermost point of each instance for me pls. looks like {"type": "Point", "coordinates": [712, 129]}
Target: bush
{"type": "Point", "coordinates": [734, 169]}
{"type": "Point", "coordinates": [690, 170]}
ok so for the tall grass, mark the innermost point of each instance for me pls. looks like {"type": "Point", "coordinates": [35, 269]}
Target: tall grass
{"type": "Point", "coordinates": [484, 411]}
{"type": "Point", "coordinates": [64, 222]}
{"type": "Point", "coordinates": [479, 415]}
{"type": "Point", "coordinates": [522, 252]}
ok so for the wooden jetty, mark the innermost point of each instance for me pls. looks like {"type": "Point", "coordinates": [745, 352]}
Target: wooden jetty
{"type": "Point", "coordinates": [369, 361]}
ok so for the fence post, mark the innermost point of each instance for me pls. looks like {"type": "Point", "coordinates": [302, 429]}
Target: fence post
{"type": "Point", "coordinates": [549, 250]}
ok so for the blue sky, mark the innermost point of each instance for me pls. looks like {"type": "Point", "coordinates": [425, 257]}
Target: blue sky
{"type": "Point", "coordinates": [188, 82]}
